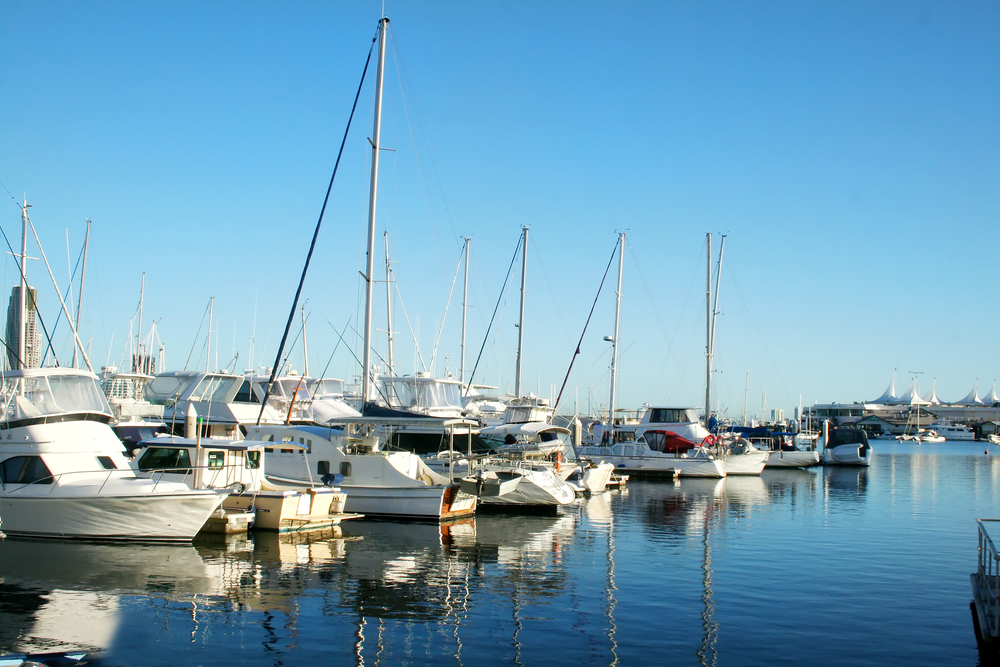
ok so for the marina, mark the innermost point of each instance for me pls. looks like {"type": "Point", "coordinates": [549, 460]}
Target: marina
{"type": "Point", "coordinates": [775, 569]}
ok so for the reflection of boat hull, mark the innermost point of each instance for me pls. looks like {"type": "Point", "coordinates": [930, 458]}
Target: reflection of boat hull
{"type": "Point", "coordinates": [154, 517]}
{"type": "Point", "coordinates": [794, 459]}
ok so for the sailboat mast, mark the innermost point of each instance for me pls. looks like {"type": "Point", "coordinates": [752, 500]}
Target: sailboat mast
{"type": "Point", "coordinates": [715, 307]}
{"type": "Point", "coordinates": [708, 329]}
{"type": "Point", "coordinates": [746, 395]}
{"type": "Point", "coordinates": [305, 345]}
{"type": "Point", "coordinates": [520, 319]}
{"type": "Point", "coordinates": [208, 349]}
{"type": "Point", "coordinates": [83, 274]}
{"type": "Point", "coordinates": [24, 284]}
{"type": "Point", "coordinates": [137, 361]}
{"type": "Point", "coordinates": [465, 306]}
{"type": "Point", "coordinates": [614, 342]}
{"type": "Point", "coordinates": [370, 262]}
{"type": "Point", "coordinates": [388, 304]}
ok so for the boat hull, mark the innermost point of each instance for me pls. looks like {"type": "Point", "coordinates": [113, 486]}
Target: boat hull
{"type": "Point", "coordinates": [749, 463]}
{"type": "Point", "coordinates": [848, 455]}
{"type": "Point", "coordinates": [794, 459]}
{"type": "Point", "coordinates": [156, 517]}
{"type": "Point", "coordinates": [426, 503]}
{"type": "Point", "coordinates": [535, 488]}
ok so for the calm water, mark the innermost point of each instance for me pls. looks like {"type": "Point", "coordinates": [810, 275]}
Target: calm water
{"type": "Point", "coordinates": [833, 567]}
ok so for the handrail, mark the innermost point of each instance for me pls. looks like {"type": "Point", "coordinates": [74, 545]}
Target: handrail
{"type": "Point", "coordinates": [988, 577]}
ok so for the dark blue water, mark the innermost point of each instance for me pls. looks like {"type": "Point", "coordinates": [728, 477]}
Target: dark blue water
{"type": "Point", "coordinates": [834, 567]}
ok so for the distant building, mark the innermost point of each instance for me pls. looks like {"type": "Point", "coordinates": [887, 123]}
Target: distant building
{"type": "Point", "coordinates": [32, 341]}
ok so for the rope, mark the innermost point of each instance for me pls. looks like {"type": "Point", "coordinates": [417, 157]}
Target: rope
{"type": "Point", "coordinates": [584, 332]}
{"type": "Point", "coordinates": [495, 309]}
{"type": "Point", "coordinates": [312, 245]}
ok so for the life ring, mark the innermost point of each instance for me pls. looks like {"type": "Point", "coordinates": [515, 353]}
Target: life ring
{"type": "Point", "coordinates": [709, 441]}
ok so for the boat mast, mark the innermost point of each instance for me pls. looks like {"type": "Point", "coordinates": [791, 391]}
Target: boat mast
{"type": "Point", "coordinates": [83, 274]}
{"type": "Point", "coordinates": [24, 283]}
{"type": "Point", "coordinates": [520, 320]}
{"type": "Point", "coordinates": [208, 349]}
{"type": "Point", "coordinates": [708, 330]}
{"type": "Point", "coordinates": [746, 395]}
{"type": "Point", "coordinates": [388, 304]}
{"type": "Point", "coordinates": [370, 262]}
{"type": "Point", "coordinates": [465, 306]}
{"type": "Point", "coordinates": [137, 360]}
{"type": "Point", "coordinates": [305, 345]}
{"type": "Point", "coordinates": [614, 342]}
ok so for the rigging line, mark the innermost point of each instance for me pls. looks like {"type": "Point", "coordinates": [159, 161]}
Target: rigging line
{"type": "Point", "coordinates": [545, 277]}
{"type": "Point", "coordinates": [59, 316]}
{"type": "Point", "coordinates": [762, 342]}
{"type": "Point", "coordinates": [312, 245]}
{"type": "Point", "coordinates": [360, 363]}
{"type": "Point", "coordinates": [437, 340]}
{"type": "Point", "coordinates": [38, 313]}
{"type": "Point", "coordinates": [330, 360]}
{"type": "Point", "coordinates": [406, 317]}
{"type": "Point", "coordinates": [495, 308]}
{"type": "Point", "coordinates": [586, 324]}
{"type": "Point", "coordinates": [195, 341]}
{"type": "Point", "coordinates": [404, 73]}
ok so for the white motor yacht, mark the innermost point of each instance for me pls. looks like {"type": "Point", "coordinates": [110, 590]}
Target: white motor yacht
{"type": "Point", "coordinates": [846, 446]}
{"type": "Point", "coordinates": [379, 483]}
{"type": "Point", "coordinates": [64, 474]}
{"type": "Point", "coordinates": [952, 431]}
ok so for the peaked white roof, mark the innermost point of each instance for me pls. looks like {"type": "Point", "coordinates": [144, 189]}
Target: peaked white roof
{"type": "Point", "coordinates": [992, 398]}
{"type": "Point", "coordinates": [911, 396]}
{"type": "Point", "coordinates": [889, 395]}
{"type": "Point", "coordinates": [972, 398]}
{"type": "Point", "coordinates": [932, 398]}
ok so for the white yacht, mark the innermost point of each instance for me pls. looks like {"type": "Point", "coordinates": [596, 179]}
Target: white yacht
{"type": "Point", "coordinates": [952, 431]}
{"type": "Point", "coordinates": [657, 452]}
{"type": "Point", "coordinates": [64, 474]}
{"type": "Point", "coordinates": [521, 484]}
{"type": "Point", "coordinates": [379, 483]}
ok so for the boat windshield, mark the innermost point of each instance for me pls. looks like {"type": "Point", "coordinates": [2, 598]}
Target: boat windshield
{"type": "Point", "coordinates": [285, 387]}
{"type": "Point", "coordinates": [673, 415]}
{"type": "Point", "coordinates": [408, 394]}
{"type": "Point", "coordinates": [216, 388]}
{"type": "Point", "coordinates": [848, 436]}
{"type": "Point", "coordinates": [165, 389]}
{"type": "Point", "coordinates": [327, 387]}
{"type": "Point", "coordinates": [38, 396]}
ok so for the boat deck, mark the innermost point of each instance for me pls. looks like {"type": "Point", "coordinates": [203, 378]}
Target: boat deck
{"type": "Point", "coordinates": [986, 586]}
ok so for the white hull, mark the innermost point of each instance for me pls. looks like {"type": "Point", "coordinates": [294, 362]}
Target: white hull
{"type": "Point", "coordinates": [596, 478]}
{"type": "Point", "coordinates": [794, 459]}
{"type": "Point", "coordinates": [749, 463]}
{"type": "Point", "coordinates": [415, 502]}
{"type": "Point", "coordinates": [171, 517]}
{"type": "Point", "coordinates": [847, 455]}
{"type": "Point", "coordinates": [653, 463]}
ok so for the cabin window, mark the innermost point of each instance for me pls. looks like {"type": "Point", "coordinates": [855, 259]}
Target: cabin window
{"type": "Point", "coordinates": [269, 450]}
{"type": "Point", "coordinates": [267, 437]}
{"type": "Point", "coordinates": [253, 460]}
{"type": "Point", "coordinates": [216, 460]}
{"type": "Point", "coordinates": [345, 468]}
{"type": "Point", "coordinates": [245, 394]}
{"type": "Point", "coordinates": [25, 470]}
{"type": "Point", "coordinates": [322, 468]}
{"type": "Point", "coordinates": [164, 458]}
{"type": "Point", "coordinates": [287, 451]}
{"type": "Point", "coordinates": [309, 446]}
{"type": "Point", "coordinates": [107, 463]}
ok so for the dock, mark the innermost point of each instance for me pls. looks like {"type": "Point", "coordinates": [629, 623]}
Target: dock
{"type": "Point", "coordinates": [986, 587]}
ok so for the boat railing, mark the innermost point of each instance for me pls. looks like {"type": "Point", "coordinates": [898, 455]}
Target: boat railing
{"type": "Point", "coordinates": [53, 481]}
{"type": "Point", "coordinates": [988, 578]}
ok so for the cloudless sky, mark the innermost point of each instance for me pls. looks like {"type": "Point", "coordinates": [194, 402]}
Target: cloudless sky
{"type": "Point", "coordinates": [850, 151]}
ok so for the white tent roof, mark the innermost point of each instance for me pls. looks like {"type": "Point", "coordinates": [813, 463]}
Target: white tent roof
{"type": "Point", "coordinates": [911, 396]}
{"type": "Point", "coordinates": [992, 398]}
{"type": "Point", "coordinates": [889, 396]}
{"type": "Point", "coordinates": [973, 397]}
{"type": "Point", "coordinates": [932, 398]}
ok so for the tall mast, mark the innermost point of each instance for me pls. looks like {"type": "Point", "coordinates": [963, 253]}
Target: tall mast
{"type": "Point", "coordinates": [708, 330]}
{"type": "Point", "coordinates": [22, 326]}
{"type": "Point", "coordinates": [746, 394]}
{"type": "Point", "coordinates": [137, 362]}
{"type": "Point", "coordinates": [715, 314]}
{"type": "Point", "coordinates": [614, 342]}
{"type": "Point", "coordinates": [305, 345]}
{"type": "Point", "coordinates": [208, 350]}
{"type": "Point", "coordinates": [520, 319]}
{"type": "Point", "coordinates": [388, 304]}
{"type": "Point", "coordinates": [465, 305]}
{"type": "Point", "coordinates": [370, 263]}
{"type": "Point", "coordinates": [83, 274]}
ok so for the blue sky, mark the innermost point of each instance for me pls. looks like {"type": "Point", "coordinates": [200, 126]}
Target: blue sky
{"type": "Point", "coordinates": [850, 152]}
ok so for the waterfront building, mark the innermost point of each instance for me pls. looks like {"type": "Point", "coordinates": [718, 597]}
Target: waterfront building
{"type": "Point", "coordinates": [32, 341]}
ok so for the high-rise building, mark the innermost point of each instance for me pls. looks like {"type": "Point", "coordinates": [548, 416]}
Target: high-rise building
{"type": "Point", "coordinates": [32, 341]}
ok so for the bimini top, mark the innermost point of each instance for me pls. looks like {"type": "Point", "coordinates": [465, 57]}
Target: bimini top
{"type": "Point", "coordinates": [48, 395]}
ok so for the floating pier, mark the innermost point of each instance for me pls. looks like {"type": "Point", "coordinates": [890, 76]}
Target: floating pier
{"type": "Point", "coordinates": [986, 587]}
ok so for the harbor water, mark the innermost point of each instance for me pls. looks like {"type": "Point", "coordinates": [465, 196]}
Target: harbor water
{"type": "Point", "coordinates": [835, 566]}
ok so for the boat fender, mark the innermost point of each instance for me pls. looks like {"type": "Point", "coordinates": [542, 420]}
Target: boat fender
{"type": "Point", "coordinates": [426, 479]}
{"type": "Point", "coordinates": [558, 461]}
